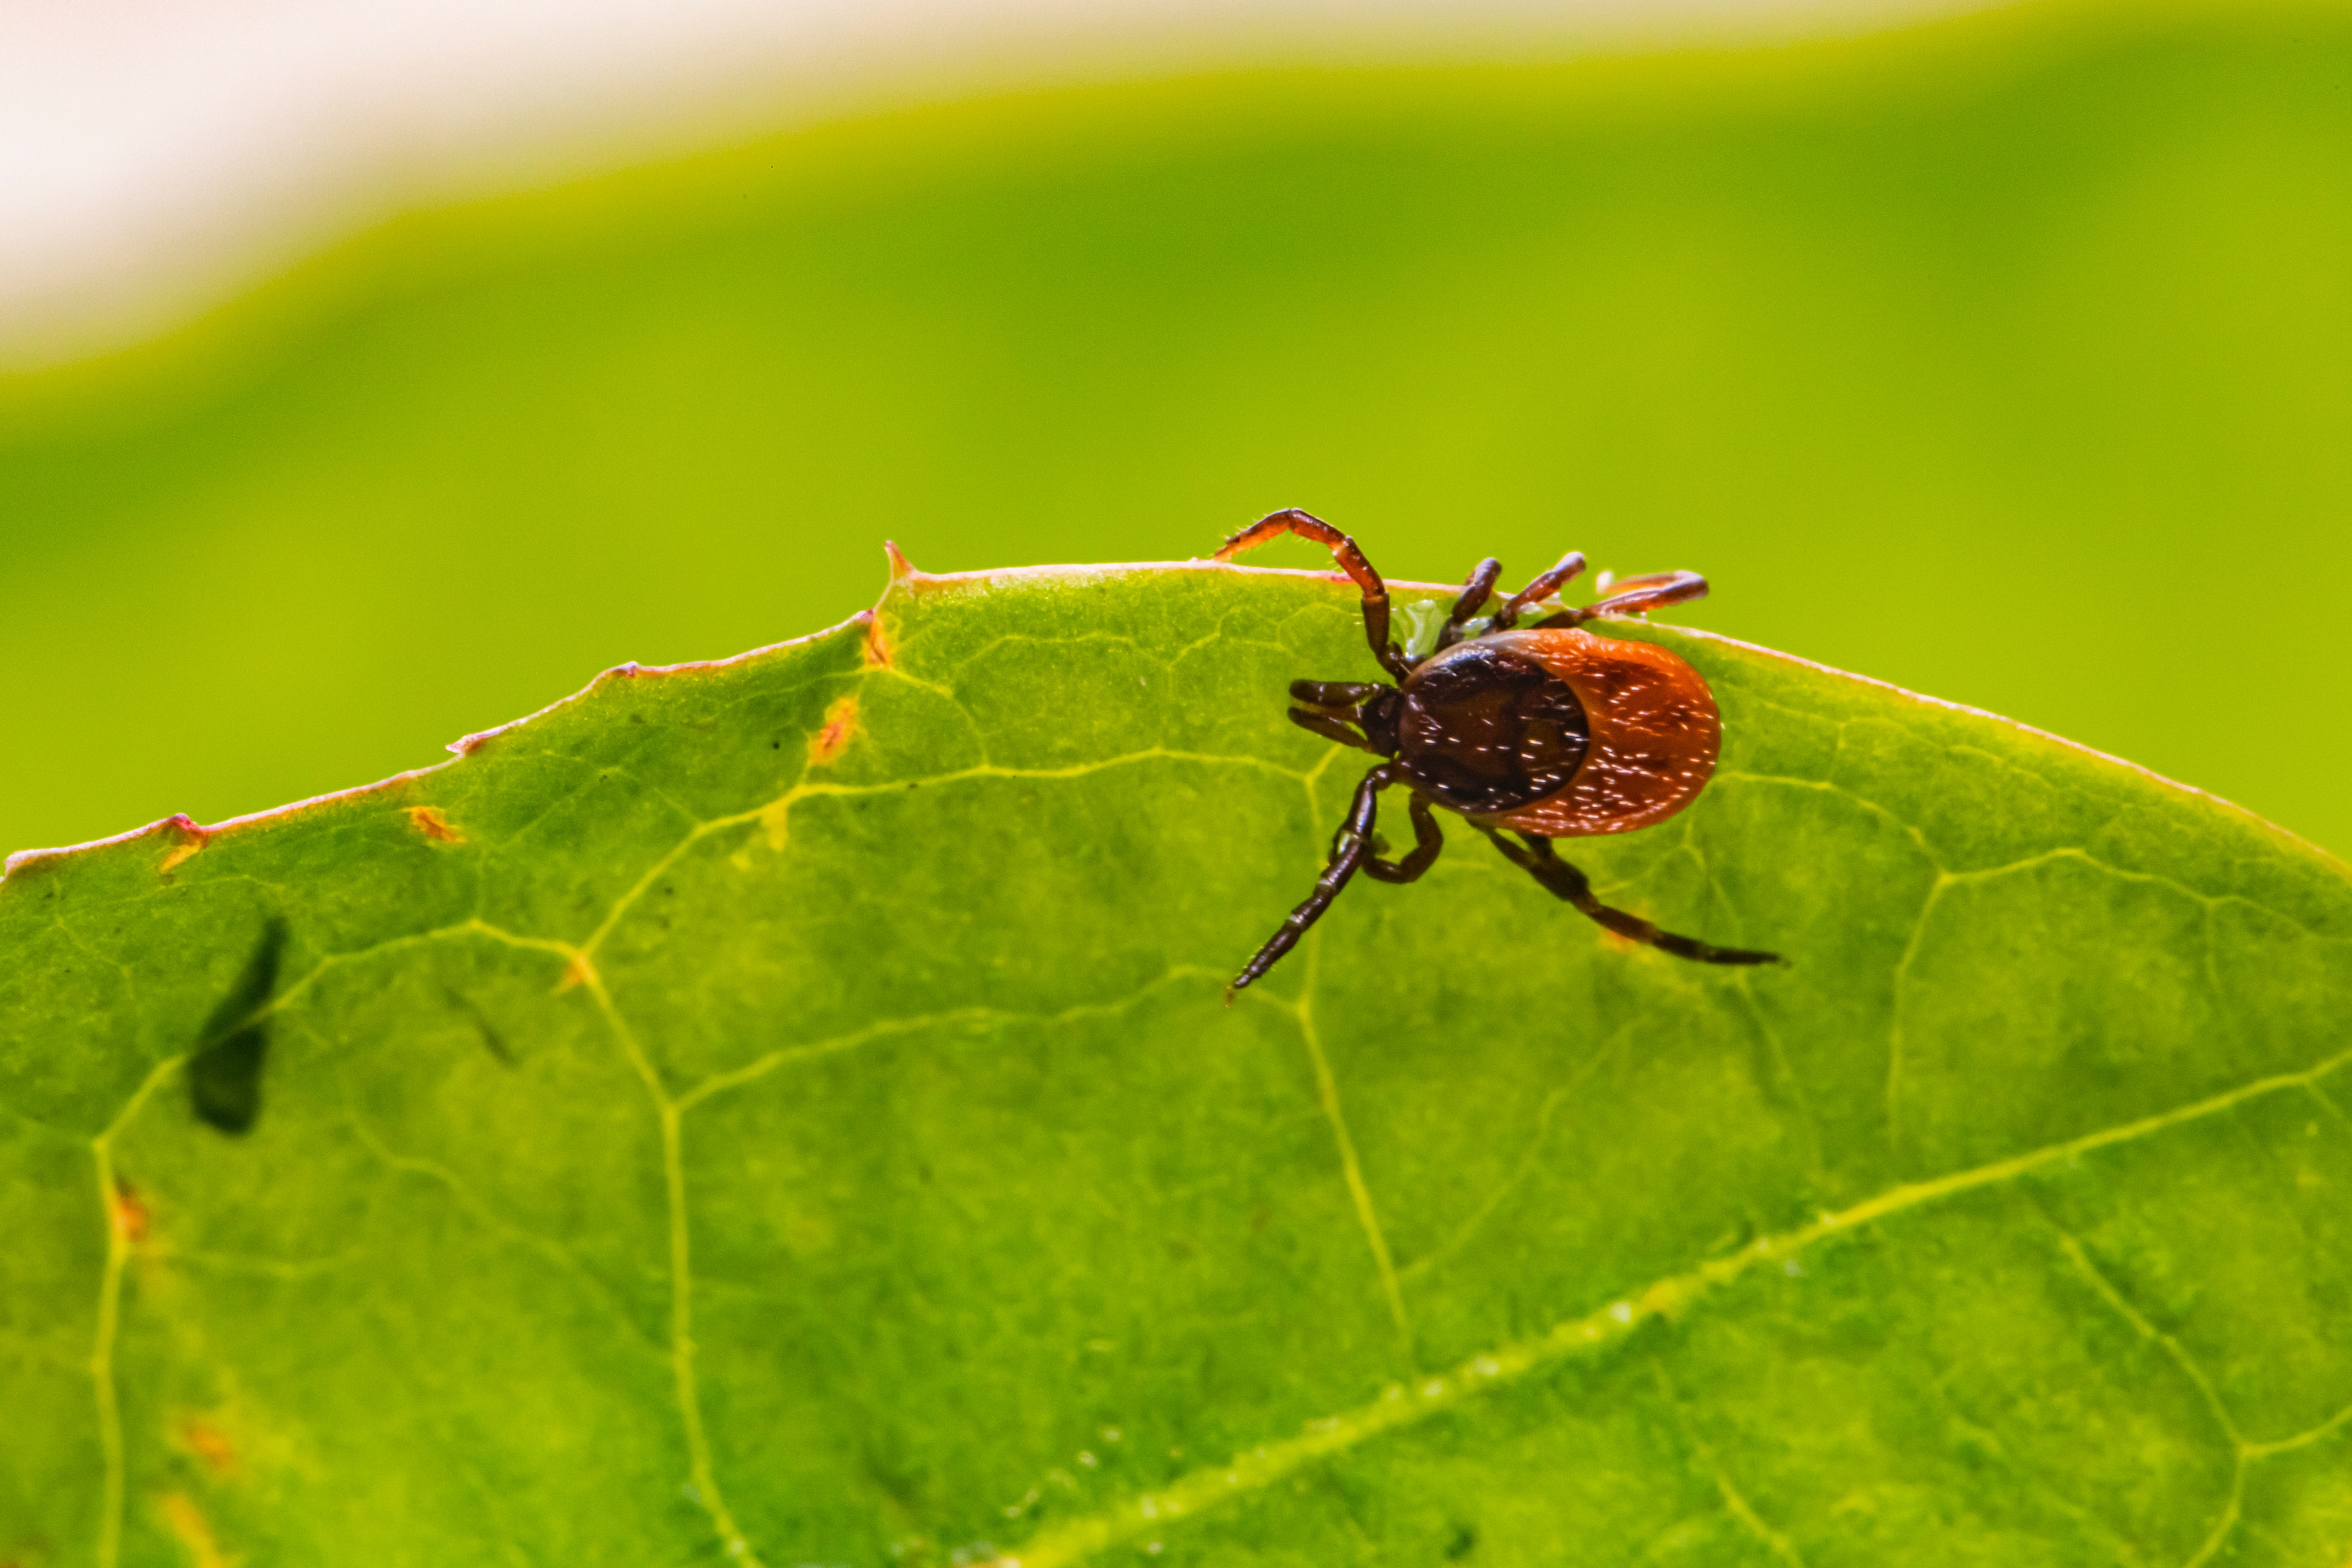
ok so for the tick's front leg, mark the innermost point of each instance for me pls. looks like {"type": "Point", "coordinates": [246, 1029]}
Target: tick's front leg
{"type": "Point", "coordinates": [1348, 852]}
{"type": "Point", "coordinates": [1350, 556]}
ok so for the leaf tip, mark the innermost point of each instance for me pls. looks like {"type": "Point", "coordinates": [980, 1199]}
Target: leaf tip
{"type": "Point", "coordinates": [191, 836]}
{"type": "Point", "coordinates": [901, 568]}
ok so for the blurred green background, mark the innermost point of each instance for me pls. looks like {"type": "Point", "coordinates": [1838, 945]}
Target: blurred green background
{"type": "Point", "coordinates": [2007, 357]}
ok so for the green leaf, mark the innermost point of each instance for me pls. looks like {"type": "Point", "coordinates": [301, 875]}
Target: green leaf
{"type": "Point", "coordinates": [783, 1110]}
{"type": "Point", "coordinates": [2056, 285]}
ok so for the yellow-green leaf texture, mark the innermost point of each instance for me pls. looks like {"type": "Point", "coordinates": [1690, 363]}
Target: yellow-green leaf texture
{"type": "Point", "coordinates": [783, 1111]}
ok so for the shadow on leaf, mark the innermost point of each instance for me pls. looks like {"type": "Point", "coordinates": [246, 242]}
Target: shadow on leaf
{"type": "Point", "coordinates": [225, 1071]}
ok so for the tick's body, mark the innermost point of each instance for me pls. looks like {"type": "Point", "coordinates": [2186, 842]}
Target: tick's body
{"type": "Point", "coordinates": [1545, 733]}
{"type": "Point", "coordinates": [1558, 732]}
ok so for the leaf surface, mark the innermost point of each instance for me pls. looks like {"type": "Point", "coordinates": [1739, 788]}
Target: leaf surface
{"type": "Point", "coordinates": [783, 1110]}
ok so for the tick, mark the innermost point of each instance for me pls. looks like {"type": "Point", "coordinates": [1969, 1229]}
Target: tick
{"type": "Point", "coordinates": [1529, 734]}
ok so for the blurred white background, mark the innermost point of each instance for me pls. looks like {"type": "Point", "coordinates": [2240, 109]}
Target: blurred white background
{"type": "Point", "coordinates": [155, 155]}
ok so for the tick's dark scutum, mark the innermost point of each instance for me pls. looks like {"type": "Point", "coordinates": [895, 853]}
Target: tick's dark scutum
{"type": "Point", "coordinates": [1487, 730]}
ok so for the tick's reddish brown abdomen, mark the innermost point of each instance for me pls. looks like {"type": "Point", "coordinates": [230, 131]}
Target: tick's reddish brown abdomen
{"type": "Point", "coordinates": [1559, 732]}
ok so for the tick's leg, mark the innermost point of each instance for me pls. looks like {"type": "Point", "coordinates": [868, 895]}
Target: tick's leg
{"type": "Point", "coordinates": [1307, 526]}
{"type": "Point", "coordinates": [1334, 694]}
{"type": "Point", "coordinates": [1328, 727]}
{"type": "Point", "coordinates": [1534, 855]}
{"type": "Point", "coordinates": [1427, 841]}
{"type": "Point", "coordinates": [1475, 590]}
{"type": "Point", "coordinates": [1348, 852]}
{"type": "Point", "coordinates": [1638, 595]}
{"type": "Point", "coordinates": [1541, 588]}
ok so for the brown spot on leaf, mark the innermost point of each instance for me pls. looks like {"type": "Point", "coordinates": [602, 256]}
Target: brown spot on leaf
{"type": "Point", "coordinates": [128, 1213]}
{"type": "Point", "coordinates": [840, 724]}
{"type": "Point", "coordinates": [877, 646]}
{"type": "Point", "coordinates": [428, 820]}
{"type": "Point", "coordinates": [210, 1444]}
{"type": "Point", "coordinates": [194, 1533]}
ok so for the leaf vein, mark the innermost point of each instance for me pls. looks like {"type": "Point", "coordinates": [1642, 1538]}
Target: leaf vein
{"type": "Point", "coordinates": [490, 1219]}
{"type": "Point", "coordinates": [1734, 1502]}
{"type": "Point", "coordinates": [1596, 1331]}
{"type": "Point", "coordinates": [109, 1549]}
{"type": "Point", "coordinates": [1327, 1090]}
{"type": "Point", "coordinates": [786, 1056]}
{"type": "Point", "coordinates": [2108, 1292]}
{"type": "Point", "coordinates": [681, 1275]}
